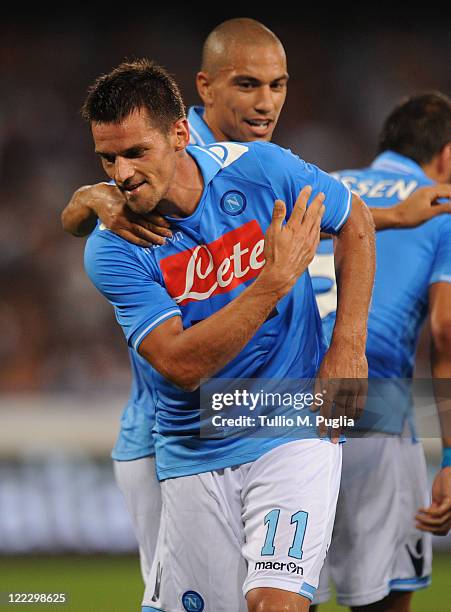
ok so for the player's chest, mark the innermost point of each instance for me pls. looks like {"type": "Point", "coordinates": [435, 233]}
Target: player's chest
{"type": "Point", "coordinates": [224, 251]}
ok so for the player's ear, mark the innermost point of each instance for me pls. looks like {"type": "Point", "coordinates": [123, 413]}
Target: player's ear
{"type": "Point", "coordinates": [444, 161]}
{"type": "Point", "coordinates": [181, 134]}
{"type": "Point", "coordinates": [203, 84]}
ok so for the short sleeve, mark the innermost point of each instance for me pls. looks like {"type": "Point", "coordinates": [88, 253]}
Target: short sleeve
{"type": "Point", "coordinates": [441, 269]}
{"type": "Point", "coordinates": [288, 174]}
{"type": "Point", "coordinates": [140, 302]}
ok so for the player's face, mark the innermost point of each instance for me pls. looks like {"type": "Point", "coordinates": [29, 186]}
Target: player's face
{"type": "Point", "coordinates": [140, 158]}
{"type": "Point", "coordinates": [244, 98]}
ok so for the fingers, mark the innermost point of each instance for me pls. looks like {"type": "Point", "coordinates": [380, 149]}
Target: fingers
{"type": "Point", "coordinates": [153, 223]}
{"type": "Point", "coordinates": [310, 217]}
{"type": "Point", "coordinates": [134, 239]}
{"type": "Point", "coordinates": [319, 393]}
{"type": "Point", "coordinates": [361, 399]}
{"type": "Point", "coordinates": [436, 518]}
{"type": "Point", "coordinates": [435, 511]}
{"type": "Point", "coordinates": [157, 229]}
{"type": "Point", "coordinates": [314, 233]}
{"type": "Point", "coordinates": [157, 220]}
{"type": "Point", "coordinates": [325, 409]}
{"type": "Point", "coordinates": [439, 191]}
{"type": "Point", "coordinates": [314, 213]}
{"type": "Point", "coordinates": [300, 206]}
{"type": "Point", "coordinates": [278, 215]}
{"type": "Point", "coordinates": [435, 530]}
{"type": "Point", "coordinates": [440, 209]}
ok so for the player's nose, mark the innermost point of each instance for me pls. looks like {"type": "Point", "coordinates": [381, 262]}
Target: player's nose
{"type": "Point", "coordinates": [123, 170]}
{"type": "Point", "coordinates": [264, 101]}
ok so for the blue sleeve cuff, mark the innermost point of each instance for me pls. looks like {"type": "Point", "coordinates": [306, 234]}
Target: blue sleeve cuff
{"type": "Point", "coordinates": [446, 457]}
{"type": "Point", "coordinates": [140, 334]}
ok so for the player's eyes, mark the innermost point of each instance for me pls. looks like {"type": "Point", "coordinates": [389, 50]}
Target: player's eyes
{"type": "Point", "coordinates": [107, 160]}
{"type": "Point", "coordinates": [135, 154]}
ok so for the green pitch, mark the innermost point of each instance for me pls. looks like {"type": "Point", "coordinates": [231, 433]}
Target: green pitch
{"type": "Point", "coordinates": [113, 583]}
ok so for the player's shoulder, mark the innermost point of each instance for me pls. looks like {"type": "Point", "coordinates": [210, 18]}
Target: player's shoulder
{"type": "Point", "coordinates": [275, 162]}
{"type": "Point", "coordinates": [273, 152]}
{"type": "Point", "coordinates": [102, 239]}
{"type": "Point", "coordinates": [105, 248]}
{"type": "Point", "coordinates": [357, 172]}
{"type": "Point", "coordinates": [234, 154]}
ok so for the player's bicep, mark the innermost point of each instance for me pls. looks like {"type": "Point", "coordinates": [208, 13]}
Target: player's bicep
{"type": "Point", "coordinates": [140, 302]}
{"type": "Point", "coordinates": [441, 268]}
{"type": "Point", "coordinates": [338, 204]}
{"type": "Point", "coordinates": [338, 200]}
{"type": "Point", "coordinates": [440, 314]}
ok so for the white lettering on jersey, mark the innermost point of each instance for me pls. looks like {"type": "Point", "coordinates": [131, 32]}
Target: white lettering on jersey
{"type": "Point", "coordinates": [323, 266]}
{"type": "Point", "coordinates": [388, 188]}
{"type": "Point", "coordinates": [194, 271]}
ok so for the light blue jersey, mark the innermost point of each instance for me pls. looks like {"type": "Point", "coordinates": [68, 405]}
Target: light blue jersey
{"type": "Point", "coordinates": [408, 261]}
{"type": "Point", "coordinates": [214, 254]}
{"type": "Point", "coordinates": [138, 418]}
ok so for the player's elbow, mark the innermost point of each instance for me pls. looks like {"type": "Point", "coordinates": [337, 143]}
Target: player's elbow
{"type": "Point", "coordinates": [65, 221]}
{"type": "Point", "coordinates": [441, 334]}
{"type": "Point", "coordinates": [186, 383]}
{"type": "Point", "coordinates": [77, 218]}
{"type": "Point", "coordinates": [175, 370]}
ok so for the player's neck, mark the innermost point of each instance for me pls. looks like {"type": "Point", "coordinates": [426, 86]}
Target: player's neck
{"type": "Point", "coordinates": [431, 172]}
{"type": "Point", "coordinates": [218, 135]}
{"type": "Point", "coordinates": [438, 169]}
{"type": "Point", "coordinates": [186, 188]}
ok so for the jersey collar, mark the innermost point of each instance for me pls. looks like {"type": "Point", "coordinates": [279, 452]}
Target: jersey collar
{"type": "Point", "coordinates": [200, 133]}
{"type": "Point", "coordinates": [394, 162]}
{"type": "Point", "coordinates": [209, 163]}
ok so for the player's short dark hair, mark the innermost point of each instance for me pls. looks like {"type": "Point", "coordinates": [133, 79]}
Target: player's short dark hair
{"type": "Point", "coordinates": [418, 127]}
{"type": "Point", "coordinates": [134, 85]}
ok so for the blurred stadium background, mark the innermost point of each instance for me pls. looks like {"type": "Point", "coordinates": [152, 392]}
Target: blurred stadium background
{"type": "Point", "coordinates": [64, 375]}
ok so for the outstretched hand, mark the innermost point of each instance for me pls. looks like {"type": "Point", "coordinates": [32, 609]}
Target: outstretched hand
{"type": "Point", "coordinates": [291, 246]}
{"type": "Point", "coordinates": [422, 205]}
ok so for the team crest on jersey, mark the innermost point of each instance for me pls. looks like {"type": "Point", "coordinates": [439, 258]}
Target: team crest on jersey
{"type": "Point", "coordinates": [233, 203]}
{"type": "Point", "coordinates": [192, 601]}
{"type": "Point", "coordinates": [218, 267]}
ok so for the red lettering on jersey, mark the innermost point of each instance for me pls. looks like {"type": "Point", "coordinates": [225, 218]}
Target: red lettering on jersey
{"type": "Point", "coordinates": [209, 269]}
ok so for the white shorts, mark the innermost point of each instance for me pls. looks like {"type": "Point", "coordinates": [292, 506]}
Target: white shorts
{"type": "Point", "coordinates": [138, 483]}
{"type": "Point", "coordinates": [267, 523]}
{"type": "Point", "coordinates": [375, 546]}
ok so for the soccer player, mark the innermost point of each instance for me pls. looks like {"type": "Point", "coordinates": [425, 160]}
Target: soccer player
{"type": "Point", "coordinates": [229, 296]}
{"type": "Point", "coordinates": [255, 90]}
{"type": "Point", "coordinates": [378, 555]}
{"type": "Point", "coordinates": [242, 84]}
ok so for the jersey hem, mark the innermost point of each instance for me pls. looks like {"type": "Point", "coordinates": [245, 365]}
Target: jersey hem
{"type": "Point", "coordinates": [226, 462]}
{"type": "Point", "coordinates": [133, 456]}
{"type": "Point", "coordinates": [322, 596]}
{"type": "Point", "coordinates": [284, 584]}
{"type": "Point", "coordinates": [397, 584]}
{"type": "Point", "coordinates": [410, 584]}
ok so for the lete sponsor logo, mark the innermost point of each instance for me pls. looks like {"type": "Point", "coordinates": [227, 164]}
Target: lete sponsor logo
{"type": "Point", "coordinates": [217, 267]}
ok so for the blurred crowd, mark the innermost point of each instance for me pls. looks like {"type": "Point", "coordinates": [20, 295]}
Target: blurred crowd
{"type": "Point", "coordinates": [58, 334]}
